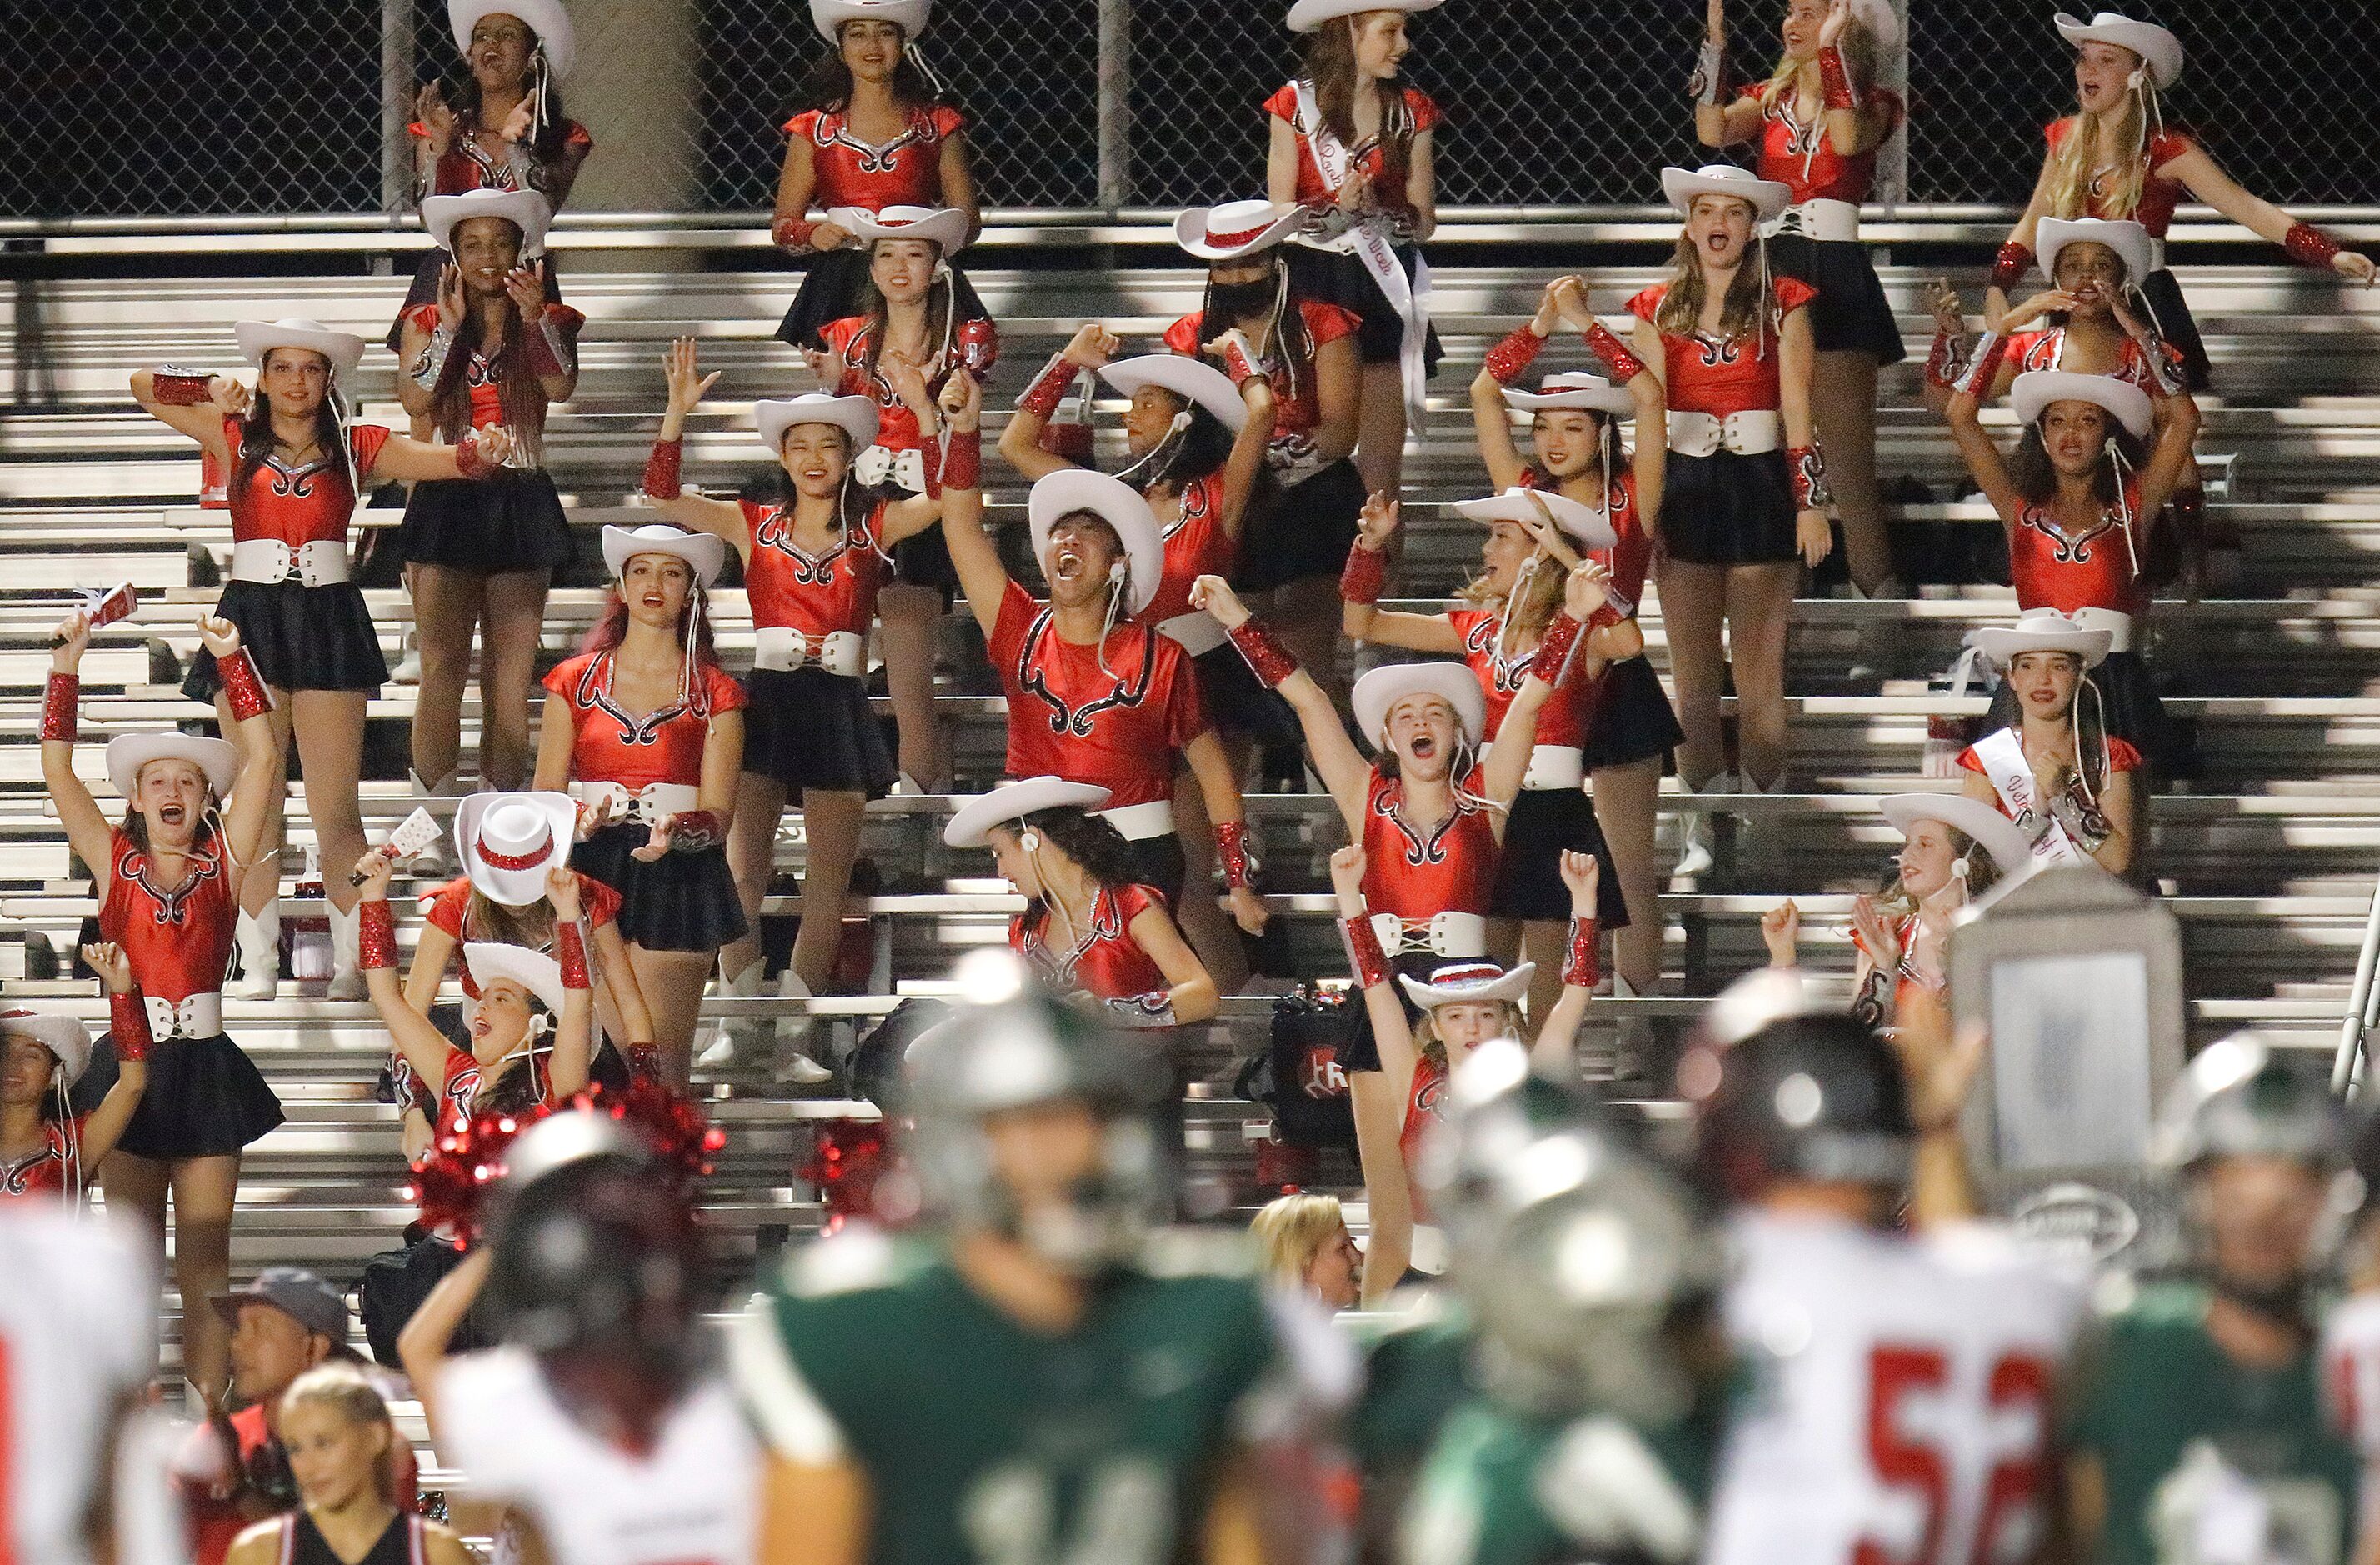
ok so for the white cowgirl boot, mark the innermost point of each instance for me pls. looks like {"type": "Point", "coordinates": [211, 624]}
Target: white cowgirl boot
{"type": "Point", "coordinates": [795, 1068]}
{"type": "Point", "coordinates": [1696, 853]}
{"type": "Point", "coordinates": [257, 936]}
{"type": "Point", "coordinates": [346, 961]}
{"type": "Point", "coordinates": [725, 1035]}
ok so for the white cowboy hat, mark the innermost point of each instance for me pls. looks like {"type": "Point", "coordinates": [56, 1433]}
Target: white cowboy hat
{"type": "Point", "coordinates": [702, 551]}
{"type": "Point", "coordinates": [1118, 505]}
{"type": "Point", "coordinates": [2041, 630]}
{"type": "Point", "coordinates": [2011, 850]}
{"type": "Point", "coordinates": [1765, 197]}
{"type": "Point", "coordinates": [344, 349]}
{"type": "Point", "coordinates": [507, 842]}
{"type": "Point", "coordinates": [1013, 801]}
{"type": "Point", "coordinates": [65, 1038]}
{"type": "Point", "coordinates": [2037, 388]}
{"type": "Point", "coordinates": [1307, 15]}
{"type": "Point", "coordinates": [494, 962]}
{"type": "Point", "coordinates": [1582, 524]}
{"type": "Point", "coordinates": [127, 753]}
{"type": "Point", "coordinates": [525, 210]}
{"type": "Point", "coordinates": [1473, 982]}
{"type": "Point", "coordinates": [1235, 228]}
{"type": "Point", "coordinates": [1453, 683]}
{"type": "Point", "coordinates": [946, 226]}
{"type": "Point", "coordinates": [1194, 380]}
{"type": "Point", "coordinates": [545, 18]}
{"type": "Point", "coordinates": [2127, 238]}
{"type": "Point", "coordinates": [911, 15]}
{"type": "Point", "coordinates": [1575, 388]}
{"type": "Point", "coordinates": [2157, 47]}
{"type": "Point", "coordinates": [855, 415]}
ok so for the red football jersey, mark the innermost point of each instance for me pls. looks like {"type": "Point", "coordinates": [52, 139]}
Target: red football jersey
{"type": "Point", "coordinates": [2095, 569]}
{"type": "Point", "coordinates": [1196, 545]}
{"type": "Point", "coordinates": [1561, 721]}
{"type": "Point", "coordinates": [1803, 158]}
{"type": "Point", "coordinates": [1119, 726]}
{"type": "Point", "coordinates": [2045, 350]}
{"type": "Point", "coordinates": [2158, 196]}
{"type": "Point", "coordinates": [906, 171]}
{"type": "Point", "coordinates": [975, 343]}
{"type": "Point", "coordinates": [1384, 159]}
{"type": "Point", "coordinates": [469, 166]}
{"type": "Point", "coordinates": [1107, 964]}
{"type": "Point", "coordinates": [1416, 871]}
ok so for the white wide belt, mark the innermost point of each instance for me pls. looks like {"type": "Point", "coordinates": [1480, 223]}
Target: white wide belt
{"type": "Point", "coordinates": [323, 562]}
{"type": "Point", "coordinates": [1137, 823]}
{"type": "Point", "coordinates": [1554, 766]}
{"type": "Point", "coordinates": [879, 464]}
{"type": "Point", "coordinates": [643, 805]}
{"type": "Point", "coordinates": [1445, 934]}
{"type": "Point", "coordinates": [198, 1015]}
{"type": "Point", "coordinates": [1199, 632]}
{"type": "Point", "coordinates": [1747, 433]}
{"type": "Point", "coordinates": [1829, 222]}
{"type": "Point", "coordinates": [2116, 622]}
{"type": "Point", "coordinates": [783, 649]}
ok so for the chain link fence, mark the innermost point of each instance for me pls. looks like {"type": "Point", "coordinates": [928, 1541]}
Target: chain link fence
{"type": "Point", "coordinates": [210, 107]}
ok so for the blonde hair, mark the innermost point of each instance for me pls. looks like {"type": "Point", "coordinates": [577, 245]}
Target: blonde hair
{"type": "Point", "coordinates": [2079, 157]}
{"type": "Point", "coordinates": [1433, 1048]}
{"type": "Point", "coordinates": [1540, 598]}
{"type": "Point", "coordinates": [1749, 297]}
{"type": "Point", "coordinates": [1291, 1231]}
{"type": "Point", "coordinates": [1859, 52]}
{"type": "Point", "coordinates": [347, 1390]}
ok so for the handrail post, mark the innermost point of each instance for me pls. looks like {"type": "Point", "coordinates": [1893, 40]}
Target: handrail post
{"type": "Point", "coordinates": [395, 104]}
{"type": "Point", "coordinates": [1116, 105]}
{"type": "Point", "coordinates": [2344, 1069]}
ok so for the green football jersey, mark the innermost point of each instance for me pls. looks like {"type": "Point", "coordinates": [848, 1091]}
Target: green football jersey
{"type": "Point", "coordinates": [2194, 1444]}
{"type": "Point", "coordinates": [983, 1440]}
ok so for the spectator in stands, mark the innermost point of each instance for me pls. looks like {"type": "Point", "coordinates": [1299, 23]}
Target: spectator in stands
{"type": "Point", "coordinates": [1095, 694]}
{"type": "Point", "coordinates": [2054, 768]}
{"type": "Point", "coordinates": [1575, 450]}
{"type": "Point", "coordinates": [1304, 1244]}
{"type": "Point", "coordinates": [1354, 146]}
{"type": "Point", "coordinates": [911, 336]}
{"type": "Point", "coordinates": [1088, 929]}
{"type": "Point", "coordinates": [1196, 442]}
{"type": "Point", "coordinates": [874, 132]}
{"type": "Point", "coordinates": [1298, 529]}
{"type": "Point", "coordinates": [169, 884]}
{"type": "Point", "coordinates": [1461, 1005]}
{"type": "Point", "coordinates": [1745, 503]}
{"type": "Point", "coordinates": [645, 730]}
{"type": "Point", "coordinates": [297, 470]}
{"type": "Point", "coordinates": [479, 556]}
{"type": "Point", "coordinates": [817, 555]}
{"type": "Point", "coordinates": [342, 1449]}
{"type": "Point", "coordinates": [45, 1147]}
{"type": "Point", "coordinates": [236, 1469]}
{"type": "Point", "coordinates": [1819, 119]}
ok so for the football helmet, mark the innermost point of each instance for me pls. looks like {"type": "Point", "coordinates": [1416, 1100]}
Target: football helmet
{"type": "Point", "coordinates": [2239, 1099]}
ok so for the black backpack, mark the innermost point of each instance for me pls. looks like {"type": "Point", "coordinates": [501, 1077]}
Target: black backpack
{"type": "Point", "coordinates": [1298, 1076]}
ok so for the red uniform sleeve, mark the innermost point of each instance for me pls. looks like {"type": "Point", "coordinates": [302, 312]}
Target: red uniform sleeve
{"type": "Point", "coordinates": [1647, 303]}
{"type": "Point", "coordinates": [600, 903]}
{"type": "Point", "coordinates": [947, 122]}
{"type": "Point", "coordinates": [1282, 104]}
{"type": "Point", "coordinates": [1751, 90]}
{"type": "Point", "coordinates": [565, 675]}
{"type": "Point", "coordinates": [1424, 109]}
{"type": "Point", "coordinates": [1463, 620]}
{"type": "Point", "coordinates": [837, 335]}
{"type": "Point", "coordinates": [2056, 130]}
{"type": "Point", "coordinates": [1968, 759]}
{"type": "Point", "coordinates": [719, 687]}
{"type": "Point", "coordinates": [566, 320]}
{"type": "Point", "coordinates": [446, 906]}
{"type": "Point", "coordinates": [1793, 294]}
{"type": "Point", "coordinates": [1133, 900]}
{"type": "Point", "coordinates": [1328, 322]}
{"type": "Point", "coordinates": [1016, 611]}
{"type": "Point", "coordinates": [369, 439]}
{"type": "Point", "coordinates": [1895, 109]}
{"type": "Point", "coordinates": [2167, 145]}
{"type": "Point", "coordinates": [801, 123]}
{"type": "Point", "coordinates": [754, 514]}
{"type": "Point", "coordinates": [578, 139]}
{"type": "Point", "coordinates": [1185, 713]}
{"type": "Point", "coordinates": [1183, 335]}
{"type": "Point", "coordinates": [2122, 757]}
{"type": "Point", "coordinates": [422, 315]}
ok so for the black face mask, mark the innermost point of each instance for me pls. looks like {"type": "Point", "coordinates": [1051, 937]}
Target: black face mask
{"type": "Point", "coordinates": [1237, 301]}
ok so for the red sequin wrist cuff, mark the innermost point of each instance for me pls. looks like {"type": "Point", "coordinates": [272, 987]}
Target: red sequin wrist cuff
{"type": "Point", "coordinates": [1979, 376]}
{"type": "Point", "coordinates": [243, 686]}
{"type": "Point", "coordinates": [127, 1026]}
{"type": "Point", "coordinates": [2011, 265]}
{"type": "Point", "coordinates": [570, 950]}
{"type": "Point", "coordinates": [1604, 617]}
{"type": "Point", "coordinates": [693, 830]}
{"type": "Point", "coordinates": [644, 1061]}
{"type": "Point", "coordinates": [2309, 246]}
{"type": "Point", "coordinates": [1834, 79]}
{"type": "Point", "coordinates": [1042, 396]}
{"type": "Point", "coordinates": [1580, 967]}
{"type": "Point", "coordinates": [1365, 575]}
{"type": "Point", "coordinates": [1552, 658]}
{"type": "Point", "coordinates": [180, 388]}
{"type": "Point", "coordinates": [1510, 359]}
{"type": "Point", "coordinates": [60, 705]}
{"type": "Point", "coordinates": [1266, 658]}
{"type": "Point", "coordinates": [1239, 359]}
{"type": "Point", "coordinates": [1364, 957]}
{"type": "Point", "coordinates": [664, 469]}
{"type": "Point", "coordinates": [468, 460]}
{"type": "Point", "coordinates": [1808, 466]}
{"type": "Point", "coordinates": [1232, 849]}
{"type": "Point", "coordinates": [1623, 365]}
{"type": "Point", "coordinates": [547, 353]}
{"type": "Point", "coordinates": [793, 232]}
{"type": "Point", "coordinates": [962, 466]}
{"type": "Point", "coordinates": [375, 935]}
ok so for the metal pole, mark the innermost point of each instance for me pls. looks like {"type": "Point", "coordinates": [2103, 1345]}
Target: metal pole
{"type": "Point", "coordinates": [1115, 104]}
{"type": "Point", "coordinates": [2346, 1067]}
{"type": "Point", "coordinates": [1892, 158]}
{"type": "Point", "coordinates": [395, 104]}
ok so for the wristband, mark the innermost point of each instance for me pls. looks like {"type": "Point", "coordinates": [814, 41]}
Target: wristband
{"type": "Point", "coordinates": [1946, 361]}
{"type": "Point", "coordinates": [692, 831]}
{"type": "Point", "coordinates": [1710, 65]}
{"type": "Point", "coordinates": [644, 1061]}
{"type": "Point", "coordinates": [174, 387]}
{"type": "Point", "coordinates": [1266, 658]}
{"type": "Point", "coordinates": [1809, 468]}
{"type": "Point", "coordinates": [1232, 848]}
{"type": "Point", "coordinates": [1137, 1012]}
{"type": "Point", "coordinates": [1364, 957]}
{"type": "Point", "coordinates": [375, 935]}
{"type": "Point", "coordinates": [243, 685]}
{"type": "Point", "coordinates": [1041, 397]}
{"type": "Point", "coordinates": [429, 368]}
{"type": "Point", "coordinates": [2161, 365]}
{"type": "Point", "coordinates": [2309, 246]}
{"type": "Point", "coordinates": [793, 232]}
{"type": "Point", "coordinates": [1984, 367]}
{"type": "Point", "coordinates": [1239, 359]}
{"type": "Point", "coordinates": [1604, 617]}
{"type": "Point", "coordinates": [1623, 364]}
{"type": "Point", "coordinates": [2011, 265]}
{"type": "Point", "coordinates": [1551, 659]}
{"type": "Point", "coordinates": [127, 1026]}
{"type": "Point", "coordinates": [570, 950]}
{"type": "Point", "coordinates": [548, 354]}
{"type": "Point", "coordinates": [1365, 575]}
{"type": "Point", "coordinates": [665, 468]}
{"type": "Point", "coordinates": [1834, 79]}
{"type": "Point", "coordinates": [1510, 359]}
{"type": "Point", "coordinates": [1872, 1006]}
{"type": "Point", "coordinates": [1581, 969]}
{"type": "Point", "coordinates": [468, 460]}
{"type": "Point", "coordinates": [961, 464]}
{"type": "Point", "coordinates": [59, 708]}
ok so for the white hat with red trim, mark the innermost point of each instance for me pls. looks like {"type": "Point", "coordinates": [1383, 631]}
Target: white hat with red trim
{"type": "Point", "coordinates": [508, 843]}
{"type": "Point", "coordinates": [2034, 390]}
{"type": "Point", "coordinates": [1235, 228]}
{"type": "Point", "coordinates": [545, 18]}
{"type": "Point", "coordinates": [2159, 50]}
{"type": "Point", "coordinates": [66, 1039]}
{"type": "Point", "coordinates": [1377, 693]}
{"type": "Point", "coordinates": [1582, 524]}
{"type": "Point", "coordinates": [946, 226]}
{"type": "Point", "coordinates": [1307, 16]}
{"type": "Point", "coordinates": [494, 962]}
{"type": "Point", "coordinates": [525, 210]}
{"type": "Point", "coordinates": [1765, 197]}
{"type": "Point", "coordinates": [970, 824]}
{"type": "Point", "coordinates": [910, 16]}
{"type": "Point", "coordinates": [1473, 982]}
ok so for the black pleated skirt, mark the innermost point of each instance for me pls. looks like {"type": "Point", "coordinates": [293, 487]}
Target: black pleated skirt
{"type": "Point", "coordinates": [1358, 1050]}
{"type": "Point", "coordinates": [1161, 864]}
{"type": "Point", "coordinates": [1851, 313]}
{"type": "Point", "coordinates": [830, 291]}
{"type": "Point", "coordinates": [302, 638]}
{"type": "Point", "coordinates": [2163, 294]}
{"type": "Point", "coordinates": [206, 1099]}
{"type": "Point", "coordinates": [922, 559]}
{"type": "Point", "coordinates": [1301, 533]}
{"type": "Point", "coordinates": [682, 902]}
{"type": "Point", "coordinates": [806, 728]}
{"type": "Point", "coordinates": [1238, 704]}
{"type": "Point", "coordinates": [1729, 509]}
{"type": "Point", "coordinates": [1333, 278]}
{"type": "Point", "coordinates": [1529, 886]}
{"type": "Point", "coordinates": [1632, 718]}
{"type": "Point", "coordinates": [509, 522]}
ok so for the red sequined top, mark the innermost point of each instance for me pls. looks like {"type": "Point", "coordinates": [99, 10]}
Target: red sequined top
{"type": "Point", "coordinates": [1630, 559]}
{"type": "Point", "coordinates": [177, 939]}
{"type": "Point", "coordinates": [975, 343]}
{"type": "Point", "coordinates": [819, 594]}
{"type": "Point", "coordinates": [469, 166]}
{"type": "Point", "coordinates": [1561, 721]}
{"type": "Point", "coordinates": [2095, 569]}
{"type": "Point", "coordinates": [1296, 400]}
{"type": "Point", "coordinates": [312, 503]}
{"type": "Point", "coordinates": [446, 908]}
{"type": "Point", "coordinates": [1425, 1107]}
{"type": "Point", "coordinates": [665, 745]}
{"type": "Point", "coordinates": [2158, 196]}
{"type": "Point", "coordinates": [1109, 964]}
{"type": "Point", "coordinates": [1707, 375]}
{"type": "Point", "coordinates": [906, 171]}
{"type": "Point", "coordinates": [480, 375]}
{"type": "Point", "coordinates": [1802, 158]}
{"type": "Point", "coordinates": [1120, 726]}
{"type": "Point", "coordinates": [1196, 545]}
{"type": "Point", "coordinates": [1385, 159]}
{"type": "Point", "coordinates": [458, 1095]}
{"type": "Point", "coordinates": [1416, 873]}
{"type": "Point", "coordinates": [43, 1170]}
{"type": "Point", "coordinates": [2046, 348]}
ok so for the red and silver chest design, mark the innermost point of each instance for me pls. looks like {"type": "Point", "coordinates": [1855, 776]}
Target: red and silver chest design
{"type": "Point", "coordinates": [178, 938]}
{"type": "Point", "coordinates": [817, 594]}
{"type": "Point", "coordinates": [1415, 872]}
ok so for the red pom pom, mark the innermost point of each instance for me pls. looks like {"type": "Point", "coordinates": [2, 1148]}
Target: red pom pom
{"type": "Point", "coordinates": [847, 1159]}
